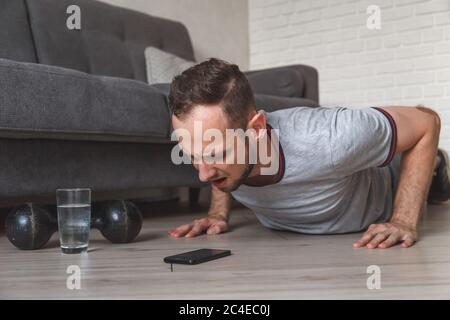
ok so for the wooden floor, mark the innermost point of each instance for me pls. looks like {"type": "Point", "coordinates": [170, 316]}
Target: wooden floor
{"type": "Point", "coordinates": [265, 264]}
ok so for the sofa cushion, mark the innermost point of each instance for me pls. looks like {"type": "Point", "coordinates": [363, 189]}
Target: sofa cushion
{"type": "Point", "coordinates": [39, 101]}
{"type": "Point", "coordinates": [111, 41]}
{"type": "Point", "coordinates": [15, 34]}
{"type": "Point", "coordinates": [162, 66]}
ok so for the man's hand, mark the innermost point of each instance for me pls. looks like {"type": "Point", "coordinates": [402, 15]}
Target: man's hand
{"type": "Point", "coordinates": [209, 225]}
{"type": "Point", "coordinates": [216, 222]}
{"type": "Point", "coordinates": [386, 235]}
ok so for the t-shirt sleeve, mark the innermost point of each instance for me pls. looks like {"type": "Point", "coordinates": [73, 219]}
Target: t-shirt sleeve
{"type": "Point", "coordinates": [362, 138]}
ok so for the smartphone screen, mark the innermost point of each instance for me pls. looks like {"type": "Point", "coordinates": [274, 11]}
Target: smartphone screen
{"type": "Point", "coordinates": [197, 256]}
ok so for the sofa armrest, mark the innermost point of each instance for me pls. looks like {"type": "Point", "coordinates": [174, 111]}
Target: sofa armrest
{"type": "Point", "coordinates": [298, 80]}
{"type": "Point", "coordinates": [41, 101]}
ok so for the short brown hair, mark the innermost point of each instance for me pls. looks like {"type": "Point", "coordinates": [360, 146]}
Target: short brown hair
{"type": "Point", "coordinates": [213, 81]}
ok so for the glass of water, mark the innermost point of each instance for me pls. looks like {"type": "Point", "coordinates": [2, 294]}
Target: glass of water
{"type": "Point", "coordinates": [74, 219]}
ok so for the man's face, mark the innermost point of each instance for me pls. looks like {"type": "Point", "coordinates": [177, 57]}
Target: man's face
{"type": "Point", "coordinates": [226, 175]}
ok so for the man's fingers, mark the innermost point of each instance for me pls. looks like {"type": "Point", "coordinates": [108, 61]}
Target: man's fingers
{"type": "Point", "coordinates": [196, 230]}
{"type": "Point", "coordinates": [385, 236]}
{"type": "Point", "coordinates": [364, 240]}
{"type": "Point", "coordinates": [380, 237]}
{"type": "Point", "coordinates": [218, 227]}
{"type": "Point", "coordinates": [408, 242]}
{"type": "Point", "coordinates": [223, 226]}
{"type": "Point", "coordinates": [199, 226]}
{"type": "Point", "coordinates": [390, 241]}
{"type": "Point", "coordinates": [180, 231]}
{"type": "Point", "coordinates": [214, 229]}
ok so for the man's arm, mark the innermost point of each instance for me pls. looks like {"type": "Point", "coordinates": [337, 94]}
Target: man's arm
{"type": "Point", "coordinates": [418, 136]}
{"type": "Point", "coordinates": [216, 222]}
{"type": "Point", "coordinates": [220, 204]}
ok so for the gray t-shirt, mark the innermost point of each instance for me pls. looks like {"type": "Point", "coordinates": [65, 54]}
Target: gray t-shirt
{"type": "Point", "coordinates": [334, 171]}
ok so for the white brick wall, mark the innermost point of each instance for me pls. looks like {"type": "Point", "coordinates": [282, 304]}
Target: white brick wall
{"type": "Point", "coordinates": [406, 62]}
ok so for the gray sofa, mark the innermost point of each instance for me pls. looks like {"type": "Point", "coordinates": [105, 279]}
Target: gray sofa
{"type": "Point", "coordinates": [75, 108]}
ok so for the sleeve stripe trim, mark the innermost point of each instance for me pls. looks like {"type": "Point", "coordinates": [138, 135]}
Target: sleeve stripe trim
{"type": "Point", "coordinates": [393, 138]}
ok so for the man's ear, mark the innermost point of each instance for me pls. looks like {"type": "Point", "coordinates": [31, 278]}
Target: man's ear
{"type": "Point", "coordinates": [257, 122]}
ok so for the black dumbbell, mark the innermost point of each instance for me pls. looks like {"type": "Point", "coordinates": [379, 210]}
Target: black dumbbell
{"type": "Point", "coordinates": [30, 226]}
{"type": "Point", "coordinates": [119, 221]}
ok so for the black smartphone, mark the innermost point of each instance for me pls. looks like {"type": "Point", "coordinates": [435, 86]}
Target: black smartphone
{"type": "Point", "coordinates": [197, 256]}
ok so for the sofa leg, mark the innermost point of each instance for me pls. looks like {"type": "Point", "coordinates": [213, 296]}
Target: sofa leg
{"type": "Point", "coordinates": [194, 195]}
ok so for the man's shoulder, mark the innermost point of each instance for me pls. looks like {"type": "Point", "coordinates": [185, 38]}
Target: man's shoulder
{"type": "Point", "coordinates": [302, 119]}
{"type": "Point", "coordinates": [301, 110]}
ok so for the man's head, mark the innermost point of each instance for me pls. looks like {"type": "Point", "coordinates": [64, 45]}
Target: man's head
{"type": "Point", "coordinates": [218, 95]}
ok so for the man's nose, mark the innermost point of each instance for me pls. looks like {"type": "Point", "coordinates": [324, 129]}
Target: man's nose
{"type": "Point", "coordinates": [205, 172]}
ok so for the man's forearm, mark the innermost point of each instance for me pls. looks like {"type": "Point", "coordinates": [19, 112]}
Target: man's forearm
{"type": "Point", "coordinates": [416, 171]}
{"type": "Point", "coordinates": [220, 204]}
